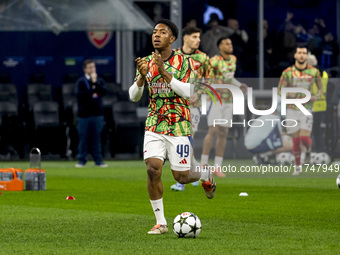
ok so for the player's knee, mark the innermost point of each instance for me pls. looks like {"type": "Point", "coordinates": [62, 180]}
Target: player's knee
{"type": "Point", "coordinates": [182, 178]}
{"type": "Point", "coordinates": [213, 131]}
{"type": "Point", "coordinates": [153, 171]}
{"type": "Point", "coordinates": [223, 132]}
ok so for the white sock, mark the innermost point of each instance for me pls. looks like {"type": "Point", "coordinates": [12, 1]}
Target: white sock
{"type": "Point", "coordinates": [204, 159]}
{"type": "Point", "coordinates": [157, 206]}
{"type": "Point", "coordinates": [302, 157]}
{"type": "Point", "coordinates": [194, 162]}
{"type": "Point", "coordinates": [218, 161]}
{"type": "Point", "coordinates": [205, 173]}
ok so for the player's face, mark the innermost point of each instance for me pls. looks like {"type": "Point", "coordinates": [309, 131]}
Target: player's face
{"type": "Point", "coordinates": [162, 37]}
{"type": "Point", "coordinates": [226, 46]}
{"type": "Point", "coordinates": [301, 55]}
{"type": "Point", "coordinates": [193, 40]}
{"type": "Point", "coordinates": [90, 68]}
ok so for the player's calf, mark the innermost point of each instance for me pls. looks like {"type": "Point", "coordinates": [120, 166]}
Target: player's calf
{"type": "Point", "coordinates": [297, 150]}
{"type": "Point", "coordinates": [184, 177]}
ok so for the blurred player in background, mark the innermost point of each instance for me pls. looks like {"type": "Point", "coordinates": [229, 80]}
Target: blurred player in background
{"type": "Point", "coordinates": [167, 74]}
{"type": "Point", "coordinates": [319, 107]}
{"type": "Point", "coordinates": [267, 139]}
{"type": "Point", "coordinates": [304, 76]}
{"type": "Point", "coordinates": [222, 69]}
{"type": "Point", "coordinates": [191, 42]}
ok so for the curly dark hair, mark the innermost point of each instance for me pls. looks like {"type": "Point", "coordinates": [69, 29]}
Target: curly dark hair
{"type": "Point", "coordinates": [190, 30]}
{"type": "Point", "coordinates": [170, 25]}
{"type": "Point", "coordinates": [221, 39]}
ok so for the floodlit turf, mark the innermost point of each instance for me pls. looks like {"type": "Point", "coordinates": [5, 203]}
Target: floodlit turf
{"type": "Point", "coordinates": [112, 214]}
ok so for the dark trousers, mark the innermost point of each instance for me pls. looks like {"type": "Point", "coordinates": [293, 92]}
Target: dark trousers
{"type": "Point", "coordinates": [319, 119]}
{"type": "Point", "coordinates": [89, 129]}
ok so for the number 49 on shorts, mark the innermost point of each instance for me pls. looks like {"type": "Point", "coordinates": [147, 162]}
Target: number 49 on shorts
{"type": "Point", "coordinates": [183, 150]}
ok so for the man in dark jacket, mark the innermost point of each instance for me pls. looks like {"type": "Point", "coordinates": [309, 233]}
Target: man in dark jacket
{"type": "Point", "coordinates": [90, 119]}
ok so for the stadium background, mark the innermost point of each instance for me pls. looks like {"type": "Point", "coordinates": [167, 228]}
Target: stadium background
{"type": "Point", "coordinates": [36, 50]}
{"type": "Point", "coordinates": [283, 214]}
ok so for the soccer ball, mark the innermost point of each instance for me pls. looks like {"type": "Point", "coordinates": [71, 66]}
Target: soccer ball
{"type": "Point", "coordinates": [187, 224]}
{"type": "Point", "coordinates": [312, 158]}
{"type": "Point", "coordinates": [338, 181]}
{"type": "Point", "coordinates": [322, 158]}
{"type": "Point", "coordinates": [284, 158]}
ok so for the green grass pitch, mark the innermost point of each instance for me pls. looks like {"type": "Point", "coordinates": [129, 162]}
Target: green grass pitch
{"type": "Point", "coordinates": [112, 214]}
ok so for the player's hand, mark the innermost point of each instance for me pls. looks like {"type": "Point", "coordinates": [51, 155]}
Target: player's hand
{"type": "Point", "coordinates": [194, 99]}
{"type": "Point", "coordinates": [142, 66]}
{"type": "Point", "coordinates": [159, 62]}
{"type": "Point", "coordinates": [244, 87]}
{"type": "Point", "coordinates": [313, 98]}
{"type": "Point", "coordinates": [94, 77]}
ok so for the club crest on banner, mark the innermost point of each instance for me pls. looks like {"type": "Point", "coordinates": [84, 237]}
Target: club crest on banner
{"type": "Point", "coordinates": [99, 38]}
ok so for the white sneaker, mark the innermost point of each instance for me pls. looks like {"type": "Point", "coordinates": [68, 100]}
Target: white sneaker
{"type": "Point", "coordinates": [158, 230]}
{"type": "Point", "coordinates": [79, 165]}
{"type": "Point", "coordinates": [177, 187]}
{"type": "Point", "coordinates": [102, 165]}
{"type": "Point", "coordinates": [195, 184]}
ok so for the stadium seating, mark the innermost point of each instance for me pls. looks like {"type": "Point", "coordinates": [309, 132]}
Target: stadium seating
{"type": "Point", "coordinates": [69, 95]}
{"type": "Point", "coordinates": [12, 133]}
{"type": "Point", "coordinates": [8, 92]}
{"type": "Point", "coordinates": [127, 137]}
{"type": "Point", "coordinates": [46, 114]}
{"type": "Point", "coordinates": [38, 92]}
{"type": "Point", "coordinates": [111, 94]}
{"type": "Point", "coordinates": [7, 109]}
{"type": "Point", "coordinates": [48, 128]}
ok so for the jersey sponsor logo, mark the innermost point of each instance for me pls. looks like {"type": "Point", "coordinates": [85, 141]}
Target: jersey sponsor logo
{"type": "Point", "coordinates": [99, 39]}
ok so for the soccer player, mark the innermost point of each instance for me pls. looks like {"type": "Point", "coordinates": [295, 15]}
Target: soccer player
{"type": "Point", "coordinates": [266, 140]}
{"type": "Point", "coordinates": [221, 70]}
{"type": "Point", "coordinates": [300, 75]}
{"type": "Point", "coordinates": [166, 75]}
{"type": "Point", "coordinates": [191, 42]}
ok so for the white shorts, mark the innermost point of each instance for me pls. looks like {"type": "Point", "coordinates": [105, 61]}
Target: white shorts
{"type": "Point", "coordinates": [218, 111]}
{"type": "Point", "coordinates": [176, 148]}
{"type": "Point", "coordinates": [195, 118]}
{"type": "Point", "coordinates": [302, 121]}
